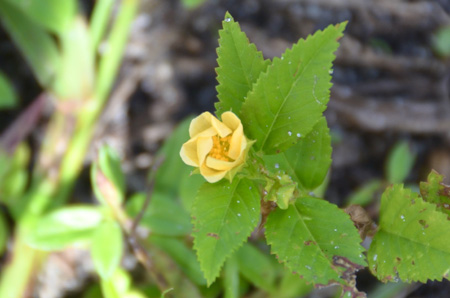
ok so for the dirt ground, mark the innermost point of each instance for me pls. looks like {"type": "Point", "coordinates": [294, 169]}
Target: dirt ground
{"type": "Point", "coordinates": [389, 85]}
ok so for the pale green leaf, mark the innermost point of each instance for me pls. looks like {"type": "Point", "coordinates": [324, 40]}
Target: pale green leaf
{"type": "Point", "coordinates": [289, 98]}
{"type": "Point", "coordinates": [107, 179]}
{"type": "Point", "coordinates": [441, 41]}
{"type": "Point", "coordinates": [292, 286]}
{"type": "Point", "coordinates": [191, 4]}
{"type": "Point", "coordinates": [8, 98]}
{"type": "Point", "coordinates": [224, 214]}
{"type": "Point", "coordinates": [399, 163]}
{"type": "Point", "coordinates": [182, 255]}
{"type": "Point", "coordinates": [413, 240]}
{"type": "Point", "coordinates": [117, 286]}
{"type": "Point", "coordinates": [55, 15]}
{"type": "Point", "coordinates": [65, 226]}
{"type": "Point", "coordinates": [256, 266]}
{"type": "Point", "coordinates": [436, 192]}
{"type": "Point", "coordinates": [35, 43]}
{"type": "Point", "coordinates": [163, 216]}
{"type": "Point", "coordinates": [240, 65]}
{"type": "Point", "coordinates": [365, 194]}
{"type": "Point", "coordinates": [107, 248]}
{"type": "Point", "coordinates": [312, 238]}
{"type": "Point", "coordinates": [308, 161]}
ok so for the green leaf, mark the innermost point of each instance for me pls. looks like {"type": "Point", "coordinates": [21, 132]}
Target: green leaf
{"type": "Point", "coordinates": [436, 192]}
{"type": "Point", "coordinates": [441, 41]}
{"type": "Point", "coordinates": [65, 226]}
{"type": "Point", "coordinates": [364, 195]}
{"type": "Point", "coordinates": [413, 240]}
{"type": "Point", "coordinates": [240, 65]}
{"type": "Point", "coordinates": [313, 238]}
{"type": "Point", "coordinates": [163, 216]}
{"type": "Point", "coordinates": [55, 15]}
{"type": "Point", "coordinates": [173, 169]}
{"type": "Point", "coordinates": [189, 186]}
{"type": "Point", "coordinates": [292, 286]}
{"type": "Point", "coordinates": [107, 179]}
{"type": "Point", "coordinates": [107, 248]}
{"type": "Point", "coordinates": [191, 4]}
{"type": "Point", "coordinates": [308, 161]}
{"type": "Point", "coordinates": [256, 267]}
{"type": "Point", "coordinates": [400, 162]}
{"type": "Point", "coordinates": [288, 99]}
{"type": "Point", "coordinates": [117, 286]}
{"type": "Point", "coordinates": [224, 214]}
{"type": "Point", "coordinates": [182, 255]}
{"type": "Point", "coordinates": [8, 98]}
{"type": "Point", "coordinates": [36, 44]}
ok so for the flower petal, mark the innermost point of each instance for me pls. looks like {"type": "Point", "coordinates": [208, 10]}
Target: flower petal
{"type": "Point", "coordinates": [204, 146]}
{"type": "Point", "coordinates": [231, 120]}
{"type": "Point", "coordinates": [237, 143]}
{"type": "Point", "coordinates": [222, 129]}
{"type": "Point", "coordinates": [188, 153]}
{"type": "Point", "coordinates": [200, 124]}
{"type": "Point", "coordinates": [219, 165]}
{"type": "Point", "coordinates": [211, 175]}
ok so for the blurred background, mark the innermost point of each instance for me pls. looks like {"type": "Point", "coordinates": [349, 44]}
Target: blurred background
{"type": "Point", "coordinates": [390, 94]}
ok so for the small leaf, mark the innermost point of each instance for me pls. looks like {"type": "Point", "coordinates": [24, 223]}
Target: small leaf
{"type": "Point", "coordinates": [364, 195]}
{"type": "Point", "coordinates": [55, 15]}
{"type": "Point", "coordinates": [412, 242]}
{"type": "Point", "coordinates": [290, 97]}
{"type": "Point", "coordinates": [224, 214]}
{"type": "Point", "coordinates": [441, 41]}
{"type": "Point", "coordinates": [182, 255]}
{"type": "Point", "coordinates": [108, 181]}
{"type": "Point", "coordinates": [107, 248]}
{"type": "Point", "coordinates": [436, 192]}
{"type": "Point", "coordinates": [256, 267]}
{"type": "Point", "coordinates": [8, 98]}
{"type": "Point", "coordinates": [400, 162]}
{"type": "Point", "coordinates": [163, 216]}
{"type": "Point", "coordinates": [65, 226]}
{"type": "Point", "coordinates": [36, 44]}
{"type": "Point", "coordinates": [308, 161]}
{"type": "Point", "coordinates": [117, 286]}
{"type": "Point", "coordinates": [240, 65]}
{"type": "Point", "coordinates": [316, 240]}
{"type": "Point", "coordinates": [191, 4]}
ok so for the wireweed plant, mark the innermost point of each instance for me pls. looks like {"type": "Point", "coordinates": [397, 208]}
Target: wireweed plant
{"type": "Point", "coordinates": [228, 190]}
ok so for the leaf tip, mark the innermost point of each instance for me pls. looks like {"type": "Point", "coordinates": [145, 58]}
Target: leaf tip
{"type": "Point", "coordinates": [228, 17]}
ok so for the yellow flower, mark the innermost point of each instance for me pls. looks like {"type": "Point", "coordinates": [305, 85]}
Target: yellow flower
{"type": "Point", "coordinates": [218, 149]}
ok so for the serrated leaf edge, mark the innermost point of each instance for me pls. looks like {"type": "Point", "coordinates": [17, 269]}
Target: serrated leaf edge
{"type": "Point", "coordinates": [276, 62]}
{"type": "Point", "coordinates": [210, 281]}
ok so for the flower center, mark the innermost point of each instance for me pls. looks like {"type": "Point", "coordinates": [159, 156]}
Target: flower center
{"type": "Point", "coordinates": [220, 148]}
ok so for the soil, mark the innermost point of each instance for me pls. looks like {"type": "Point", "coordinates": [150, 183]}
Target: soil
{"type": "Point", "coordinates": [389, 85]}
